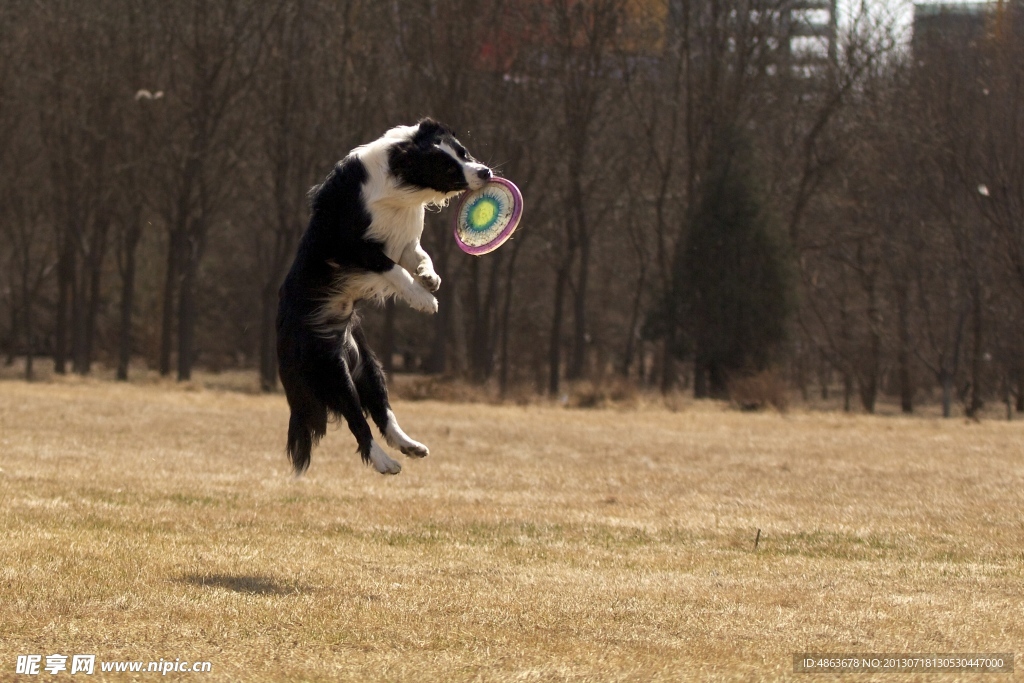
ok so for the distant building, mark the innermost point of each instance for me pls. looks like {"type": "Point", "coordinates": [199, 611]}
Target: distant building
{"type": "Point", "coordinates": [803, 31]}
{"type": "Point", "coordinates": [811, 27]}
{"type": "Point", "coordinates": [942, 27]}
{"type": "Point", "coordinates": [952, 39]}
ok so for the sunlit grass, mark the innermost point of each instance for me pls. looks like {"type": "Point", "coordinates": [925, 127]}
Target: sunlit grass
{"type": "Point", "coordinates": [535, 543]}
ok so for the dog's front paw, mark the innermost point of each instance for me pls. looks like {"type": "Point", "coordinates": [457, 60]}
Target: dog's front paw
{"type": "Point", "coordinates": [427, 305]}
{"type": "Point", "coordinates": [430, 280]}
{"type": "Point", "coordinates": [421, 300]}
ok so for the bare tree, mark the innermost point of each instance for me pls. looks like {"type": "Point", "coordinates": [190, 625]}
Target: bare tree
{"type": "Point", "coordinates": [138, 116]}
{"type": "Point", "coordinates": [29, 261]}
{"type": "Point", "coordinates": [583, 39]}
{"type": "Point", "coordinates": [216, 49]}
{"type": "Point", "coordinates": [75, 105]}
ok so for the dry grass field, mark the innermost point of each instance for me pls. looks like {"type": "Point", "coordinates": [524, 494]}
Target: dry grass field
{"type": "Point", "coordinates": [536, 543]}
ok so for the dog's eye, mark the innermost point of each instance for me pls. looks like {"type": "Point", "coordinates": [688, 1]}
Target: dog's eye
{"type": "Point", "coordinates": [462, 153]}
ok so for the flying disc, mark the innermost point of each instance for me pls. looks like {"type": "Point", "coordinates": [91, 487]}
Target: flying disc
{"type": "Point", "coordinates": [486, 218]}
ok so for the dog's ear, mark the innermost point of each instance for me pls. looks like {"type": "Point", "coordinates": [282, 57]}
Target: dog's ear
{"type": "Point", "coordinates": [429, 125]}
{"type": "Point", "coordinates": [430, 130]}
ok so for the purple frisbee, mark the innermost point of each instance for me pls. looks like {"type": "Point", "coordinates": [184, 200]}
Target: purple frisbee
{"type": "Point", "coordinates": [486, 218]}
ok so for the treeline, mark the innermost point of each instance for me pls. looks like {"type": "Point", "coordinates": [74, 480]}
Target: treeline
{"type": "Point", "coordinates": [708, 197]}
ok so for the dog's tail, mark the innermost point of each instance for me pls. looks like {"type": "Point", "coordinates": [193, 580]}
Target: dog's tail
{"type": "Point", "coordinates": [307, 425]}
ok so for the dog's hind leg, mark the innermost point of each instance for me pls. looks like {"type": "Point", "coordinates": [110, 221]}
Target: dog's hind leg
{"type": "Point", "coordinates": [343, 398]}
{"type": "Point", "coordinates": [307, 424]}
{"type": "Point", "coordinates": [373, 393]}
{"type": "Point", "coordinates": [399, 439]}
{"type": "Point", "coordinates": [308, 420]}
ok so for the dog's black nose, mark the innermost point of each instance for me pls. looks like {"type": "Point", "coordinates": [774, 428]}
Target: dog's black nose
{"type": "Point", "coordinates": [484, 174]}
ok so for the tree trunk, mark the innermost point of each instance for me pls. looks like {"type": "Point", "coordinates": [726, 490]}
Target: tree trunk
{"type": "Point", "coordinates": [79, 333]}
{"type": "Point", "coordinates": [946, 381]}
{"type": "Point", "coordinates": [97, 255]}
{"type": "Point", "coordinates": [700, 379]}
{"type": "Point", "coordinates": [91, 293]}
{"type": "Point", "coordinates": [1008, 398]}
{"type": "Point", "coordinates": [187, 314]}
{"type": "Point", "coordinates": [903, 352]}
{"type": "Point", "coordinates": [506, 316]}
{"type": "Point", "coordinates": [174, 247]}
{"type": "Point", "coordinates": [868, 388]}
{"type": "Point", "coordinates": [28, 322]}
{"type": "Point", "coordinates": [1020, 391]}
{"type": "Point", "coordinates": [65, 280]}
{"type": "Point", "coordinates": [668, 364]}
{"type": "Point", "coordinates": [824, 375]}
{"type": "Point", "coordinates": [800, 363]}
{"type": "Point", "coordinates": [718, 382]}
{"type": "Point", "coordinates": [387, 345]}
{"type": "Point", "coordinates": [632, 330]}
{"type": "Point", "coordinates": [268, 338]}
{"type": "Point", "coordinates": [977, 355]}
{"type": "Point", "coordinates": [437, 363]}
{"type": "Point", "coordinates": [481, 324]}
{"type": "Point", "coordinates": [869, 370]}
{"type": "Point", "coordinates": [488, 334]}
{"type": "Point", "coordinates": [12, 348]}
{"type": "Point", "coordinates": [124, 353]}
{"type": "Point", "coordinates": [555, 342]}
{"type": "Point", "coordinates": [577, 369]}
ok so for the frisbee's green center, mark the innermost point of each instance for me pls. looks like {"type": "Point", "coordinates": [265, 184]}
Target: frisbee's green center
{"type": "Point", "coordinates": [483, 213]}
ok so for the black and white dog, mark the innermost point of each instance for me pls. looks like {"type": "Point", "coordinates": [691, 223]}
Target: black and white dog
{"type": "Point", "coordinates": [363, 242]}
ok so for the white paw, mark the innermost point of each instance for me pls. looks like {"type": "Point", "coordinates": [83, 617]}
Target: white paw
{"type": "Point", "coordinates": [414, 449]}
{"type": "Point", "coordinates": [399, 439]}
{"type": "Point", "coordinates": [381, 462]}
{"type": "Point", "coordinates": [429, 279]}
{"type": "Point", "coordinates": [421, 300]}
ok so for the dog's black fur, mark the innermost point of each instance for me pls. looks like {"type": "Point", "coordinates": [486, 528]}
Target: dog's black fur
{"type": "Point", "coordinates": [362, 242]}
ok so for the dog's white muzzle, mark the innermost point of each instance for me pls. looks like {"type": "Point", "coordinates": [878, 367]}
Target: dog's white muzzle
{"type": "Point", "coordinates": [477, 175]}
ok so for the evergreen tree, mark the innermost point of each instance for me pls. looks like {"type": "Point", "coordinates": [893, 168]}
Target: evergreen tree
{"type": "Point", "coordinates": [733, 288]}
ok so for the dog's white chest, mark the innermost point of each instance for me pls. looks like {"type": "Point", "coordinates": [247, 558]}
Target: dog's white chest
{"type": "Point", "coordinates": [395, 227]}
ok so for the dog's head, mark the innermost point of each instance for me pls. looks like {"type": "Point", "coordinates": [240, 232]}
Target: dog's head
{"type": "Point", "coordinates": [428, 156]}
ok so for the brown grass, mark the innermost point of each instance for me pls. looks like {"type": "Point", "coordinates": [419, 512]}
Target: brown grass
{"type": "Point", "coordinates": [535, 543]}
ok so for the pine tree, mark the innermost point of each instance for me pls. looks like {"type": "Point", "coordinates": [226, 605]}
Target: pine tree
{"type": "Point", "coordinates": [733, 288]}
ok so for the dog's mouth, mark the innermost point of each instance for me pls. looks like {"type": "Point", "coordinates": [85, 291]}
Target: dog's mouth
{"type": "Point", "coordinates": [477, 175]}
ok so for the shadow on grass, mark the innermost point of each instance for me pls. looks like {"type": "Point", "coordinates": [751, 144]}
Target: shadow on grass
{"type": "Point", "coordinates": [250, 585]}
